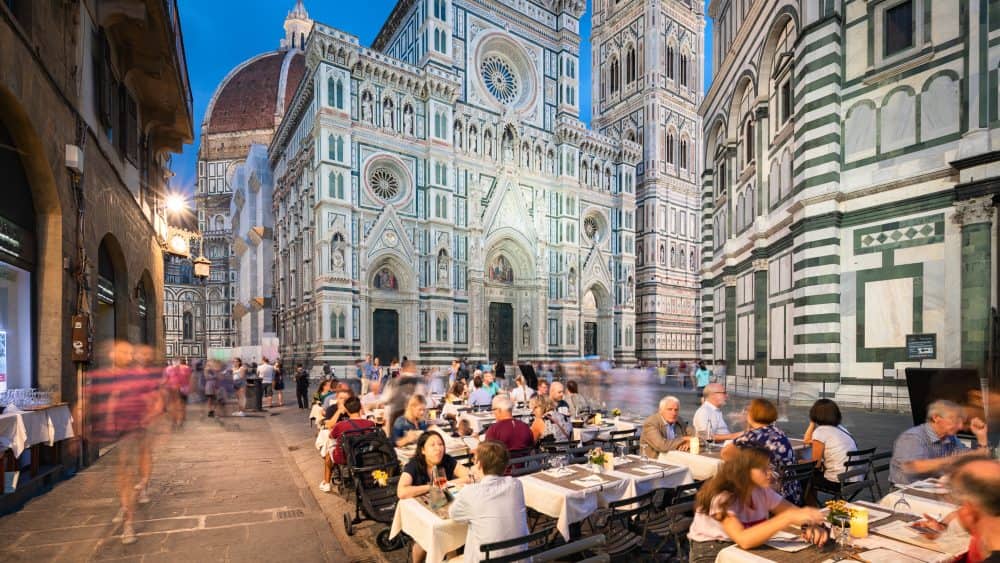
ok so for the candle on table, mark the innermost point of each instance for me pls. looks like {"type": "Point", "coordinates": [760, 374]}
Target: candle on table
{"type": "Point", "coordinates": [695, 446]}
{"type": "Point", "coordinates": [859, 523]}
{"type": "Point", "coordinates": [597, 419]}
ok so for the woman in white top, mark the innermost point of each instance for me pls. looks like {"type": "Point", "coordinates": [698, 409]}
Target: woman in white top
{"type": "Point", "coordinates": [521, 393]}
{"type": "Point", "coordinates": [830, 443]}
{"type": "Point", "coordinates": [739, 506]}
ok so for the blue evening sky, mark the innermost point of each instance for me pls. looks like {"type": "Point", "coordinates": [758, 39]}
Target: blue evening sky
{"type": "Point", "coordinates": [220, 34]}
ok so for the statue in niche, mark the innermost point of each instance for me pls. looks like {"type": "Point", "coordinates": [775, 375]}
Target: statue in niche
{"type": "Point", "coordinates": [442, 268]}
{"type": "Point", "coordinates": [366, 108]}
{"type": "Point", "coordinates": [571, 282]}
{"type": "Point", "coordinates": [507, 146]}
{"type": "Point", "coordinates": [387, 115]}
{"type": "Point", "coordinates": [525, 158]}
{"type": "Point", "coordinates": [458, 136]}
{"type": "Point", "coordinates": [488, 143]}
{"type": "Point", "coordinates": [525, 335]}
{"type": "Point", "coordinates": [337, 261]}
{"type": "Point", "coordinates": [408, 120]}
{"type": "Point", "coordinates": [473, 142]}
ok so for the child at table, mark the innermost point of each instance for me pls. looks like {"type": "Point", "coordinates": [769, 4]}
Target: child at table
{"type": "Point", "coordinates": [739, 506]}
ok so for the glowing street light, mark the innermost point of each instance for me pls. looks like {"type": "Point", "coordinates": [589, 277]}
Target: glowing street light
{"type": "Point", "coordinates": [176, 203]}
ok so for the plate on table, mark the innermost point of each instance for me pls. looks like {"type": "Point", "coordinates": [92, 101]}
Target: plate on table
{"type": "Point", "coordinates": [787, 541]}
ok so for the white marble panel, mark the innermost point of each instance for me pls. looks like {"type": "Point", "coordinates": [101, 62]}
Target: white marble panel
{"type": "Point", "coordinates": [938, 108]}
{"type": "Point", "coordinates": [776, 332]}
{"type": "Point", "coordinates": [888, 313]}
{"type": "Point", "coordinates": [898, 121]}
{"type": "Point", "coordinates": [945, 16]}
{"type": "Point", "coordinates": [919, 255]}
{"type": "Point", "coordinates": [859, 132]}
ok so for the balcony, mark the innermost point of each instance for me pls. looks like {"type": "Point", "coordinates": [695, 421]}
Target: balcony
{"type": "Point", "coordinates": [151, 49]}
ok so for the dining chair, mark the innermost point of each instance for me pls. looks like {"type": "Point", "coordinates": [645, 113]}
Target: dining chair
{"type": "Point", "coordinates": [803, 474]}
{"type": "Point", "coordinates": [879, 464]}
{"type": "Point", "coordinates": [622, 523]}
{"type": "Point", "coordinates": [536, 542]}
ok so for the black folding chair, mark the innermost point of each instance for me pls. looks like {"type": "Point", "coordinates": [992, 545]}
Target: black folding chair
{"type": "Point", "coordinates": [671, 515]}
{"type": "Point", "coordinates": [854, 480]}
{"type": "Point", "coordinates": [879, 464]}
{"type": "Point", "coordinates": [622, 523]}
{"type": "Point", "coordinates": [526, 465]}
{"type": "Point", "coordinates": [803, 474]}
{"type": "Point", "coordinates": [535, 542]}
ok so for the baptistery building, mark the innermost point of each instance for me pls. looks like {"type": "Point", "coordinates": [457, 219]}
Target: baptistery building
{"type": "Point", "coordinates": [436, 194]}
{"type": "Point", "coordinates": [849, 187]}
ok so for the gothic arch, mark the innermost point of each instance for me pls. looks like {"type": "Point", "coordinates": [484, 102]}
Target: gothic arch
{"type": "Point", "coordinates": [397, 265]}
{"type": "Point", "coordinates": [784, 11]}
{"type": "Point", "coordinates": [515, 247]}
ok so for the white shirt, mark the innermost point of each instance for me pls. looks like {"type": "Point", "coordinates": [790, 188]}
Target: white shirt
{"type": "Point", "coordinates": [266, 373]}
{"type": "Point", "coordinates": [495, 511]}
{"type": "Point", "coordinates": [836, 443]}
{"type": "Point", "coordinates": [522, 394]}
{"type": "Point", "coordinates": [709, 415]}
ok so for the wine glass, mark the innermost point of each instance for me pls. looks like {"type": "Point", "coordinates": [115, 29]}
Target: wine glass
{"type": "Point", "coordinates": [901, 505]}
{"type": "Point", "coordinates": [441, 479]}
{"type": "Point", "coordinates": [643, 455]}
{"type": "Point", "coordinates": [622, 451]}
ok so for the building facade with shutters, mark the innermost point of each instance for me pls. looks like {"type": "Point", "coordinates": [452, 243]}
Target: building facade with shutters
{"type": "Point", "coordinates": [647, 86]}
{"type": "Point", "coordinates": [850, 173]}
{"type": "Point", "coordinates": [436, 194]}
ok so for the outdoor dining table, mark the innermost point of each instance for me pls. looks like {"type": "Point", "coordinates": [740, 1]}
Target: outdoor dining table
{"type": "Point", "coordinates": [592, 432]}
{"type": "Point", "coordinates": [432, 529]}
{"type": "Point", "coordinates": [23, 429]}
{"type": "Point", "coordinates": [889, 540]}
{"type": "Point", "coordinates": [928, 496]}
{"type": "Point", "coordinates": [478, 420]}
{"type": "Point", "coordinates": [705, 464]}
{"type": "Point", "coordinates": [572, 493]}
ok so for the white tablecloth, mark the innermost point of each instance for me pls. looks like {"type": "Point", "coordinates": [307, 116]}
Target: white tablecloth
{"type": "Point", "coordinates": [569, 506]}
{"type": "Point", "coordinates": [479, 419]}
{"type": "Point", "coordinates": [733, 553]}
{"type": "Point", "coordinates": [21, 430]}
{"type": "Point", "coordinates": [918, 504]}
{"type": "Point", "coordinates": [702, 467]}
{"type": "Point", "coordinates": [603, 432]}
{"type": "Point", "coordinates": [436, 535]}
{"type": "Point", "coordinates": [670, 477]}
{"type": "Point", "coordinates": [452, 445]}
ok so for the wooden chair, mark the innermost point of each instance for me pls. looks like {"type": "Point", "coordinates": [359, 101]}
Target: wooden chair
{"type": "Point", "coordinates": [536, 542]}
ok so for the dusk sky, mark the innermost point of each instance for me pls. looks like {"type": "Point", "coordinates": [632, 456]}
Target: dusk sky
{"type": "Point", "coordinates": [220, 34]}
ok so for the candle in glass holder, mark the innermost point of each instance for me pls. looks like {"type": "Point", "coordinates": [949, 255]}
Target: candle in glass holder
{"type": "Point", "coordinates": [859, 523]}
{"type": "Point", "coordinates": [432, 414]}
{"type": "Point", "coordinates": [695, 446]}
{"type": "Point", "coordinates": [597, 419]}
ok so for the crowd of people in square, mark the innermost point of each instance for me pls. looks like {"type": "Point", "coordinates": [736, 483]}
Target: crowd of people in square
{"type": "Point", "coordinates": [752, 497]}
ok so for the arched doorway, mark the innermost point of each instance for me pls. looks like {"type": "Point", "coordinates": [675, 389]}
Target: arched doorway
{"type": "Point", "coordinates": [511, 290]}
{"type": "Point", "coordinates": [111, 297]}
{"type": "Point", "coordinates": [391, 313]}
{"type": "Point", "coordinates": [17, 271]}
{"type": "Point", "coordinates": [595, 313]}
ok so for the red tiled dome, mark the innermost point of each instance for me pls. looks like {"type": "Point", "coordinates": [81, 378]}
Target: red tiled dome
{"type": "Point", "coordinates": [248, 98]}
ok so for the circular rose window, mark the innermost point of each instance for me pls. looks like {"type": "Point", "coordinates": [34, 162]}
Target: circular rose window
{"type": "Point", "coordinates": [384, 183]}
{"type": "Point", "coordinates": [592, 227]}
{"type": "Point", "coordinates": [500, 79]}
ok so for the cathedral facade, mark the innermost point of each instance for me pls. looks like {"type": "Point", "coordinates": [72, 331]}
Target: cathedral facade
{"type": "Point", "coordinates": [436, 195]}
{"type": "Point", "coordinates": [647, 86]}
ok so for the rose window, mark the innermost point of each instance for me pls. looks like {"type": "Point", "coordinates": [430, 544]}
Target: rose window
{"type": "Point", "coordinates": [384, 183]}
{"type": "Point", "coordinates": [500, 79]}
{"type": "Point", "coordinates": [591, 227]}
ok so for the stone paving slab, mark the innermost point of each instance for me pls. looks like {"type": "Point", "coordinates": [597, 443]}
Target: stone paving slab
{"type": "Point", "coordinates": [222, 490]}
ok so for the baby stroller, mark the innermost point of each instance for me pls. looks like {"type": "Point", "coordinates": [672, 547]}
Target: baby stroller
{"type": "Point", "coordinates": [367, 452]}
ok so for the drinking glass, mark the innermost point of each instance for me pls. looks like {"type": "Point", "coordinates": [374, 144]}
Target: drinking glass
{"type": "Point", "coordinates": [622, 451]}
{"type": "Point", "coordinates": [643, 455]}
{"type": "Point", "coordinates": [441, 479]}
{"type": "Point", "coordinates": [901, 505]}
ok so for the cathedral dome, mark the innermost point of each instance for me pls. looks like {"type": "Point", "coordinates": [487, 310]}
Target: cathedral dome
{"type": "Point", "coordinates": [256, 93]}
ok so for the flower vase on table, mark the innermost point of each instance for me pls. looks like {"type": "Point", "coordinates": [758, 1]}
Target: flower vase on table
{"type": "Point", "coordinates": [839, 516]}
{"type": "Point", "coordinates": [597, 460]}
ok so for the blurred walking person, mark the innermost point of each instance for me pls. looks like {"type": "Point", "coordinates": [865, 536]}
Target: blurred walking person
{"type": "Point", "coordinates": [240, 386]}
{"type": "Point", "coordinates": [265, 371]}
{"type": "Point", "coordinates": [177, 384]}
{"type": "Point", "coordinates": [212, 385]}
{"type": "Point", "coordinates": [124, 400]}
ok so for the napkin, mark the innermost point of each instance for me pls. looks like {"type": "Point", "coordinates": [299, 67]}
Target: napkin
{"type": "Point", "coordinates": [786, 541]}
{"type": "Point", "coordinates": [589, 481]}
{"type": "Point", "coordinates": [651, 469]}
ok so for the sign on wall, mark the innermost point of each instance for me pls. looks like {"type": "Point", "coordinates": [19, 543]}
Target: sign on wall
{"type": "Point", "coordinates": [921, 346]}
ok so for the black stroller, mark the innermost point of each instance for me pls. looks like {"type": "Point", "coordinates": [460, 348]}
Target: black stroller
{"type": "Point", "coordinates": [368, 452]}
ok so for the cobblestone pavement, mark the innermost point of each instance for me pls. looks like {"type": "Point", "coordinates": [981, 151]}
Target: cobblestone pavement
{"type": "Point", "coordinates": [221, 491]}
{"type": "Point", "coordinates": [246, 489]}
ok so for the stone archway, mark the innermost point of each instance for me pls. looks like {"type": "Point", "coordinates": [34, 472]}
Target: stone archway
{"type": "Point", "coordinates": [391, 309]}
{"type": "Point", "coordinates": [598, 323]}
{"type": "Point", "coordinates": [511, 301]}
{"type": "Point", "coordinates": [51, 331]}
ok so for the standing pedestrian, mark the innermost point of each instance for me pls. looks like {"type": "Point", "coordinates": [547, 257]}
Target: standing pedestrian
{"type": "Point", "coordinates": [301, 386]}
{"type": "Point", "coordinates": [326, 370]}
{"type": "Point", "coordinates": [366, 374]}
{"type": "Point", "coordinates": [265, 371]}
{"type": "Point", "coordinates": [279, 384]}
{"type": "Point", "coordinates": [211, 385]}
{"type": "Point", "coordinates": [499, 373]}
{"type": "Point", "coordinates": [240, 385]}
{"type": "Point", "coordinates": [702, 377]}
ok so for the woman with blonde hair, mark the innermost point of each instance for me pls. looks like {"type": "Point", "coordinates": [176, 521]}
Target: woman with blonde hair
{"type": "Point", "coordinates": [549, 424]}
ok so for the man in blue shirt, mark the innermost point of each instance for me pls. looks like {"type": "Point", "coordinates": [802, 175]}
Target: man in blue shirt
{"type": "Point", "coordinates": [480, 396]}
{"type": "Point", "coordinates": [929, 448]}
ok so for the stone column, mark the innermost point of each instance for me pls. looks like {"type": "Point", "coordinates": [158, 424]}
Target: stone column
{"type": "Point", "coordinates": [760, 317]}
{"type": "Point", "coordinates": [976, 218]}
